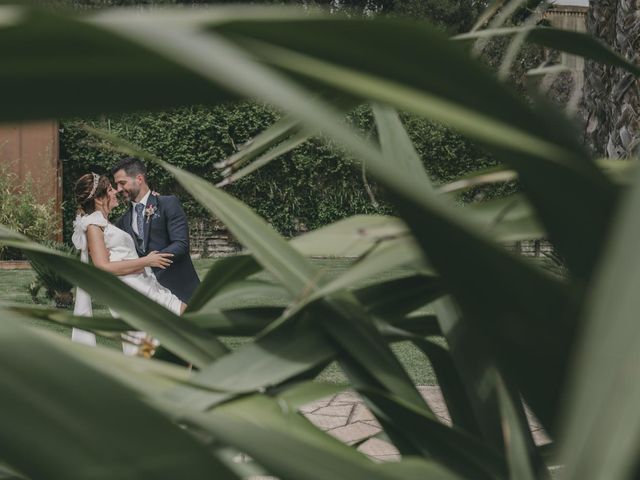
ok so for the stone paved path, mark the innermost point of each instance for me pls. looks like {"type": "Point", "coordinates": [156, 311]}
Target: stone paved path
{"type": "Point", "coordinates": [345, 417]}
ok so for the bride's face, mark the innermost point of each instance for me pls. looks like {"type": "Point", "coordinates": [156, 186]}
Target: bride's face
{"type": "Point", "coordinates": [112, 198]}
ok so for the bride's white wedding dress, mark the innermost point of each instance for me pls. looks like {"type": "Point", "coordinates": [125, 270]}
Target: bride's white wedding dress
{"type": "Point", "coordinates": [120, 247]}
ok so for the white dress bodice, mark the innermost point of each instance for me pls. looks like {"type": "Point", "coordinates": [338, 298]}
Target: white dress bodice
{"type": "Point", "coordinates": [119, 244]}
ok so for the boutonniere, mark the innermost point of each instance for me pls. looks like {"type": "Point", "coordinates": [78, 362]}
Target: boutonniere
{"type": "Point", "coordinates": [150, 211]}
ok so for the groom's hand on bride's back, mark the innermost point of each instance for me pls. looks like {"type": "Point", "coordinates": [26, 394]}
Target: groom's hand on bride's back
{"type": "Point", "coordinates": [157, 259]}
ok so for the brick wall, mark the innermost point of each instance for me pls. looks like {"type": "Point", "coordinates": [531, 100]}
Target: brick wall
{"type": "Point", "coordinates": [211, 239]}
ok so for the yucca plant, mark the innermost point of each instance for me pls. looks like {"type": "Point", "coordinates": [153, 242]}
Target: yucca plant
{"type": "Point", "coordinates": [514, 333]}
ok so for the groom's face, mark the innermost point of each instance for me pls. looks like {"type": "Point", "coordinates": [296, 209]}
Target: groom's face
{"type": "Point", "coordinates": [128, 187]}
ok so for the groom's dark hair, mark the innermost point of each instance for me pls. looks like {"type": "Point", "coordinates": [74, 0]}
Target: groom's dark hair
{"type": "Point", "coordinates": [132, 166]}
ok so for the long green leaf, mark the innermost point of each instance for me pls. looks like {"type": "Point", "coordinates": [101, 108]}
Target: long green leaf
{"type": "Point", "coordinates": [275, 134]}
{"type": "Point", "coordinates": [417, 469]}
{"type": "Point", "coordinates": [388, 255]}
{"type": "Point", "coordinates": [83, 420]}
{"type": "Point", "coordinates": [223, 272]}
{"type": "Point", "coordinates": [576, 43]}
{"type": "Point", "coordinates": [256, 293]}
{"type": "Point", "coordinates": [349, 237]}
{"type": "Point", "coordinates": [61, 317]}
{"type": "Point", "coordinates": [303, 393]}
{"type": "Point", "coordinates": [87, 59]}
{"type": "Point", "coordinates": [601, 402]}
{"type": "Point", "coordinates": [506, 219]}
{"type": "Point", "coordinates": [239, 322]}
{"type": "Point", "coordinates": [479, 177]}
{"type": "Point", "coordinates": [517, 438]}
{"type": "Point", "coordinates": [269, 360]}
{"type": "Point", "coordinates": [286, 146]}
{"type": "Point", "coordinates": [449, 379]}
{"type": "Point", "coordinates": [474, 361]}
{"type": "Point", "coordinates": [450, 382]}
{"type": "Point", "coordinates": [454, 448]}
{"type": "Point", "coordinates": [305, 460]}
{"type": "Point", "coordinates": [399, 297]}
{"type": "Point", "coordinates": [396, 145]}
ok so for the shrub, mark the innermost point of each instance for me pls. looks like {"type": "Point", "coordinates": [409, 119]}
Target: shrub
{"type": "Point", "coordinates": [20, 211]}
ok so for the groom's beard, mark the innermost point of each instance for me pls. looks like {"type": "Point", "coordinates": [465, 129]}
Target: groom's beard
{"type": "Point", "coordinates": [132, 194]}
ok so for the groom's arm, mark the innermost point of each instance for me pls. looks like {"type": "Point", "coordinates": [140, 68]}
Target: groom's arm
{"type": "Point", "coordinates": [177, 228]}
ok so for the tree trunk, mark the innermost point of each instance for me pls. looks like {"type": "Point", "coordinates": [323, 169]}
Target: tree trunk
{"type": "Point", "coordinates": [611, 95]}
{"type": "Point", "coordinates": [624, 135]}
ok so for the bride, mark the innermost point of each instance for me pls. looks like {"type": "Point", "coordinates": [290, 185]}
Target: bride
{"type": "Point", "coordinates": [113, 250]}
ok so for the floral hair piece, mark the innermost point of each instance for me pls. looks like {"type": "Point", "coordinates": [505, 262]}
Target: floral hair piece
{"type": "Point", "coordinates": [96, 178]}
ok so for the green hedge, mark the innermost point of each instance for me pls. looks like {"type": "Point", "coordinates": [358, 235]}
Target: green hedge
{"type": "Point", "coordinates": [307, 188]}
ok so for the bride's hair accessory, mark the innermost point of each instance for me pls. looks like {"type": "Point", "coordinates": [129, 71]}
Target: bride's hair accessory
{"type": "Point", "coordinates": [88, 188]}
{"type": "Point", "coordinates": [96, 179]}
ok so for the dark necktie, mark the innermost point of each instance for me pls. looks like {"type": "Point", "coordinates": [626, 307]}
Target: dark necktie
{"type": "Point", "coordinates": [140, 222]}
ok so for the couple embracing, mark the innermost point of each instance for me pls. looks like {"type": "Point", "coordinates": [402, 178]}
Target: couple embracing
{"type": "Point", "coordinates": [147, 248]}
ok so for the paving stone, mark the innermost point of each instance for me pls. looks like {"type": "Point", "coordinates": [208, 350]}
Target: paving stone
{"type": "Point", "coordinates": [433, 397]}
{"type": "Point", "coordinates": [373, 423]}
{"type": "Point", "coordinates": [540, 437]}
{"type": "Point", "coordinates": [354, 432]}
{"type": "Point", "coordinates": [310, 407]}
{"type": "Point", "coordinates": [348, 397]}
{"type": "Point", "coordinates": [335, 410]}
{"type": "Point", "coordinates": [445, 418]}
{"type": "Point", "coordinates": [534, 423]}
{"type": "Point", "coordinates": [375, 447]}
{"type": "Point", "coordinates": [361, 413]}
{"type": "Point", "coordinates": [345, 417]}
{"type": "Point", "coordinates": [325, 422]}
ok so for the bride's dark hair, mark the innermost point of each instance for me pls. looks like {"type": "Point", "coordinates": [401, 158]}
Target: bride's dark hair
{"type": "Point", "coordinates": [87, 189]}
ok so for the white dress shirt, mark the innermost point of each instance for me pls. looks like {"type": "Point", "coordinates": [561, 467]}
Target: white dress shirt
{"type": "Point", "coordinates": [134, 216]}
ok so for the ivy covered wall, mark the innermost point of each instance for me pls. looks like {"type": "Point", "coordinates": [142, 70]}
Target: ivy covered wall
{"type": "Point", "coordinates": [311, 186]}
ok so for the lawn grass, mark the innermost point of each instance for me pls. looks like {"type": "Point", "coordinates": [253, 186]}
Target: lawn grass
{"type": "Point", "coordinates": [14, 288]}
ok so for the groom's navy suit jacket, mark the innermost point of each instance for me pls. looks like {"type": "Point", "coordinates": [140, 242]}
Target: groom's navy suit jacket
{"type": "Point", "coordinates": [166, 231]}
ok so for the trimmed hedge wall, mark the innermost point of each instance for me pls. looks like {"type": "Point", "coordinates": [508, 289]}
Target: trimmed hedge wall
{"type": "Point", "coordinates": [311, 186]}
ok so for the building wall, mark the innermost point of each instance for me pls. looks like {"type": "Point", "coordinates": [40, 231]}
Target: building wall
{"type": "Point", "coordinates": [30, 150]}
{"type": "Point", "coordinates": [573, 18]}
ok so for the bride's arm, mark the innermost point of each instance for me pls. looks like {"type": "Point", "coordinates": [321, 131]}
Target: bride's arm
{"type": "Point", "coordinates": [100, 256]}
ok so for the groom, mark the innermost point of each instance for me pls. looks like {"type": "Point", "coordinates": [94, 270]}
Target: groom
{"type": "Point", "coordinates": [156, 222]}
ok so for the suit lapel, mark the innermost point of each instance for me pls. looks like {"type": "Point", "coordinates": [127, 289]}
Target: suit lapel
{"type": "Point", "coordinates": [151, 201]}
